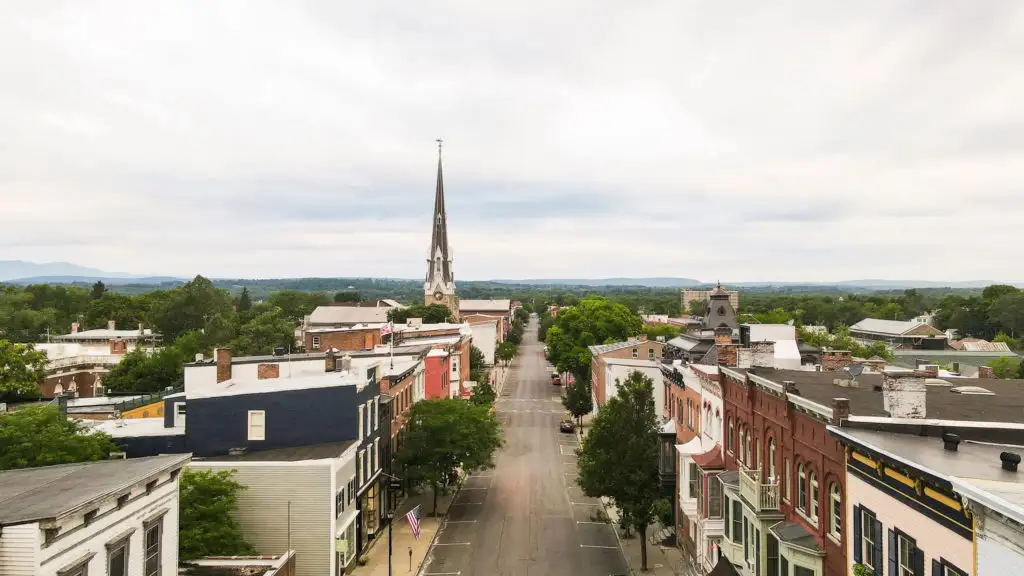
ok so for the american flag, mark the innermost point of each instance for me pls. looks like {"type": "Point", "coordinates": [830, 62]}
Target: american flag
{"type": "Point", "coordinates": [414, 520]}
{"type": "Point", "coordinates": [386, 329]}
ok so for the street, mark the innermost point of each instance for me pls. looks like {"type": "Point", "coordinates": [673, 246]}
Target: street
{"type": "Point", "coordinates": [527, 517]}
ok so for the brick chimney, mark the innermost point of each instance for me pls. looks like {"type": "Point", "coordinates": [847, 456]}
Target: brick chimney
{"type": "Point", "coordinates": [840, 410]}
{"type": "Point", "coordinates": [111, 325]}
{"type": "Point", "coordinates": [74, 327]}
{"type": "Point", "coordinates": [330, 361]}
{"type": "Point", "coordinates": [904, 393]}
{"type": "Point", "coordinates": [728, 353]}
{"type": "Point", "coordinates": [986, 372]}
{"type": "Point", "coordinates": [835, 360]}
{"type": "Point", "coordinates": [763, 354]}
{"type": "Point", "coordinates": [223, 357]}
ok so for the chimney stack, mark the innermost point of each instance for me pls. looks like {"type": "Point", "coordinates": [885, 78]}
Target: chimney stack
{"type": "Point", "coordinates": [728, 353]}
{"type": "Point", "coordinates": [904, 393]}
{"type": "Point", "coordinates": [1010, 461]}
{"type": "Point", "coordinates": [790, 387]}
{"type": "Point", "coordinates": [346, 362]}
{"type": "Point", "coordinates": [111, 325]}
{"type": "Point", "coordinates": [223, 357]}
{"type": "Point", "coordinates": [74, 327]}
{"type": "Point", "coordinates": [835, 360]}
{"type": "Point", "coordinates": [330, 361]}
{"type": "Point", "coordinates": [986, 372]}
{"type": "Point", "coordinates": [950, 441]}
{"type": "Point", "coordinates": [840, 410]}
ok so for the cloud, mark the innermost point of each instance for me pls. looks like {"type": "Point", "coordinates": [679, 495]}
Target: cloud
{"type": "Point", "coordinates": [587, 139]}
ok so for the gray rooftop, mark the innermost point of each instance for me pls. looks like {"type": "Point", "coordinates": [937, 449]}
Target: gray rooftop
{"type": "Point", "coordinates": [599, 349]}
{"type": "Point", "coordinates": [796, 535]}
{"type": "Point", "coordinates": [972, 460]}
{"type": "Point", "coordinates": [1006, 404]}
{"type": "Point", "coordinates": [35, 494]}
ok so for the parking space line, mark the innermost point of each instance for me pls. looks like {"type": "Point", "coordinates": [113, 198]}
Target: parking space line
{"type": "Point", "coordinates": [593, 546]}
{"type": "Point", "coordinates": [466, 504]}
{"type": "Point", "coordinates": [460, 522]}
{"type": "Point", "coordinates": [585, 522]}
{"type": "Point", "coordinates": [451, 543]}
{"type": "Point", "coordinates": [585, 503]}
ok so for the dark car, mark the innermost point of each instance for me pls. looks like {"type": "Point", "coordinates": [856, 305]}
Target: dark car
{"type": "Point", "coordinates": [566, 426]}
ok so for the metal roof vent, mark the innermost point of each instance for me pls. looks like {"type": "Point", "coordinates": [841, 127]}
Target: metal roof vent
{"type": "Point", "coordinates": [950, 441]}
{"type": "Point", "coordinates": [976, 390]}
{"type": "Point", "coordinates": [1010, 461]}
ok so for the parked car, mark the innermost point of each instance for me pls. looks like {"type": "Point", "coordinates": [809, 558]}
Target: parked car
{"type": "Point", "coordinates": [566, 426]}
{"type": "Point", "coordinates": [556, 378]}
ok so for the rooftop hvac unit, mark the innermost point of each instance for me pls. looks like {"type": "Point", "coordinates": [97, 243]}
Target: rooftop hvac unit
{"type": "Point", "coordinates": [118, 456]}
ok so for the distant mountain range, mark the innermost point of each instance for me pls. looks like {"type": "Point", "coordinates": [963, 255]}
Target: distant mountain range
{"type": "Point", "coordinates": [20, 272]}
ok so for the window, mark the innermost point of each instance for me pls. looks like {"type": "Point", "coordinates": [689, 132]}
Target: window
{"type": "Point", "coordinates": [836, 501]}
{"type": "Point", "coordinates": [784, 566]}
{"type": "Point", "coordinates": [339, 502]}
{"type": "Point", "coordinates": [257, 425]}
{"type": "Point", "coordinates": [694, 477]}
{"type": "Point", "coordinates": [376, 413]}
{"type": "Point", "coordinates": [89, 517]}
{"type": "Point", "coordinates": [369, 417]}
{"type": "Point", "coordinates": [117, 558]}
{"type": "Point", "coordinates": [756, 455]}
{"type": "Point", "coordinates": [773, 555]}
{"type": "Point", "coordinates": [151, 547]}
{"type": "Point", "coordinates": [801, 488]}
{"type": "Point", "coordinates": [635, 354]}
{"type": "Point", "coordinates": [944, 568]}
{"type": "Point", "coordinates": [905, 557]}
{"type": "Point", "coordinates": [788, 470]}
{"type": "Point", "coordinates": [316, 342]}
{"type": "Point", "coordinates": [179, 413]}
{"type": "Point", "coordinates": [81, 569]}
{"type": "Point", "coordinates": [362, 467]}
{"type": "Point", "coordinates": [772, 477]}
{"type": "Point", "coordinates": [814, 497]}
{"type": "Point", "coordinates": [801, 571]}
{"type": "Point", "coordinates": [737, 521]}
{"type": "Point", "coordinates": [361, 409]}
{"type": "Point", "coordinates": [867, 538]}
{"type": "Point", "coordinates": [714, 497]}
{"type": "Point", "coordinates": [650, 353]}
{"type": "Point", "coordinates": [748, 457]}
{"type": "Point", "coordinates": [729, 438]}
{"type": "Point", "coordinates": [727, 525]}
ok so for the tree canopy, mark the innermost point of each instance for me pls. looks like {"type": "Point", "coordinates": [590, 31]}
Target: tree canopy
{"type": "Point", "coordinates": [39, 435]}
{"type": "Point", "coordinates": [594, 320]}
{"type": "Point", "coordinates": [22, 368]}
{"type": "Point", "coordinates": [432, 314]}
{"type": "Point", "coordinates": [483, 394]}
{"type": "Point", "coordinates": [444, 435]}
{"type": "Point", "coordinates": [618, 458]}
{"type": "Point", "coordinates": [206, 527]}
{"type": "Point", "coordinates": [578, 399]}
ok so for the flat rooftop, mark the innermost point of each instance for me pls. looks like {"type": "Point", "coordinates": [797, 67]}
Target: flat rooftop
{"type": "Point", "coordinates": [294, 454]}
{"type": "Point", "coordinates": [1005, 404]}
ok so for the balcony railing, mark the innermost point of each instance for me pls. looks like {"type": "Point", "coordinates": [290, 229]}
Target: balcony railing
{"type": "Point", "coordinates": [85, 360]}
{"type": "Point", "coordinates": [761, 496]}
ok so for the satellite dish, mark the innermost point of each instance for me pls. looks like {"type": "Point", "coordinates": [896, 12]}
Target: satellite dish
{"type": "Point", "coordinates": [855, 369]}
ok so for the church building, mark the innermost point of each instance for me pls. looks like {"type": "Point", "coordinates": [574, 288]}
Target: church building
{"type": "Point", "coordinates": [439, 287]}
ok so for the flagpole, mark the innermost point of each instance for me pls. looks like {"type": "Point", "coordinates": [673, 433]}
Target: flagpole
{"type": "Point", "coordinates": [391, 343]}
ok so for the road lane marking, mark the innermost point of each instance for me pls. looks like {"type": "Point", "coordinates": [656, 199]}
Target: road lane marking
{"type": "Point", "coordinates": [451, 543]}
{"type": "Point", "coordinates": [460, 522]}
{"type": "Point", "coordinates": [593, 546]}
{"type": "Point", "coordinates": [585, 522]}
{"type": "Point", "coordinates": [467, 488]}
{"type": "Point", "coordinates": [466, 504]}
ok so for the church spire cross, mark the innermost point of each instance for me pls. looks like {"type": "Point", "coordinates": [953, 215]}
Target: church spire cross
{"type": "Point", "coordinates": [439, 274]}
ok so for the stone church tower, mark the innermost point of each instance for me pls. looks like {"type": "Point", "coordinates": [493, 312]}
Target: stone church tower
{"type": "Point", "coordinates": [439, 287]}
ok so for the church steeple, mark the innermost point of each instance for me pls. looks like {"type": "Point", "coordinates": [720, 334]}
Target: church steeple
{"type": "Point", "coordinates": [439, 287]}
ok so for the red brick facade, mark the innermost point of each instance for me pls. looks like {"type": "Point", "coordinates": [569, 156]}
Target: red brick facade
{"type": "Point", "coordinates": [264, 371]}
{"type": "Point", "coordinates": [342, 339]}
{"type": "Point", "coordinates": [768, 419]}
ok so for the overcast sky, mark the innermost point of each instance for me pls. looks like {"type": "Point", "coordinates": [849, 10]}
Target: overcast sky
{"type": "Point", "coordinates": [706, 139]}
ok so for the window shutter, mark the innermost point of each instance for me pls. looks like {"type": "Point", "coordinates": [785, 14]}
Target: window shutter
{"type": "Point", "coordinates": [893, 554]}
{"type": "Point", "coordinates": [936, 568]}
{"type": "Point", "coordinates": [876, 553]}
{"type": "Point", "coordinates": [917, 558]}
{"type": "Point", "coordinates": [728, 505]}
{"type": "Point", "coordinates": [856, 536]}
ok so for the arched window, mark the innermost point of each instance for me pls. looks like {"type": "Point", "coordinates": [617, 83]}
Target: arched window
{"type": "Point", "coordinates": [747, 457]}
{"type": "Point", "coordinates": [729, 438]}
{"type": "Point", "coordinates": [814, 497]}
{"type": "Point", "coordinates": [836, 509]}
{"type": "Point", "coordinates": [801, 488]}
{"type": "Point", "coordinates": [788, 481]}
{"type": "Point", "coordinates": [771, 461]}
{"type": "Point", "coordinates": [742, 443]}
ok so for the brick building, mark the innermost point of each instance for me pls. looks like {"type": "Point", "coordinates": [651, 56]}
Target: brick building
{"type": "Point", "coordinates": [356, 337]}
{"type": "Point", "coordinates": [77, 361]}
{"type": "Point", "coordinates": [633, 349]}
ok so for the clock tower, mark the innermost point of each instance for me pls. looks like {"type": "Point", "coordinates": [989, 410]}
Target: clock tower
{"type": "Point", "coordinates": [439, 287]}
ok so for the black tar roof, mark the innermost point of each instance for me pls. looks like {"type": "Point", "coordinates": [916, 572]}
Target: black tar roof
{"type": "Point", "coordinates": [1005, 405]}
{"type": "Point", "coordinates": [295, 454]}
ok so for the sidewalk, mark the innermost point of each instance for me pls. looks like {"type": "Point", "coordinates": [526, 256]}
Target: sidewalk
{"type": "Point", "coordinates": [404, 541]}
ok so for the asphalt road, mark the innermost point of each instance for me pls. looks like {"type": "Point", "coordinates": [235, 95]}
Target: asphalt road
{"type": "Point", "coordinates": [527, 517]}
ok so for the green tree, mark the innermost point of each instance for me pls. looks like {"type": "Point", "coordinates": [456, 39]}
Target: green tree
{"type": "Point", "coordinates": [347, 297]}
{"type": "Point", "coordinates": [699, 307]}
{"type": "Point", "coordinates": [295, 305]}
{"type": "Point", "coordinates": [244, 301]}
{"type": "Point", "coordinates": [1013, 343]}
{"type": "Point", "coordinates": [263, 333]}
{"type": "Point", "coordinates": [477, 361]}
{"type": "Point", "coordinates": [483, 394]}
{"type": "Point", "coordinates": [98, 289]}
{"type": "Point", "coordinates": [446, 434]}
{"type": "Point", "coordinates": [22, 369]}
{"type": "Point", "coordinates": [142, 372]}
{"type": "Point", "coordinates": [1005, 366]}
{"type": "Point", "coordinates": [666, 331]}
{"type": "Point", "coordinates": [619, 456]}
{"type": "Point", "coordinates": [432, 314]}
{"type": "Point", "coordinates": [40, 436]}
{"type": "Point", "coordinates": [206, 527]}
{"type": "Point", "coordinates": [125, 311]}
{"type": "Point", "coordinates": [593, 320]}
{"type": "Point", "coordinates": [506, 351]}
{"type": "Point", "coordinates": [578, 399]}
{"type": "Point", "coordinates": [522, 315]}
{"type": "Point", "coordinates": [189, 307]}
{"type": "Point", "coordinates": [1007, 313]}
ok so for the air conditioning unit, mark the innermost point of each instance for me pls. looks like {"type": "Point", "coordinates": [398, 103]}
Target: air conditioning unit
{"type": "Point", "coordinates": [118, 456]}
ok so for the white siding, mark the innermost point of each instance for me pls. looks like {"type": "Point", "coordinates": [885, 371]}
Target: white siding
{"type": "Point", "coordinates": [77, 541]}
{"type": "Point", "coordinates": [19, 546]}
{"type": "Point", "coordinates": [485, 337]}
{"type": "Point", "coordinates": [263, 509]}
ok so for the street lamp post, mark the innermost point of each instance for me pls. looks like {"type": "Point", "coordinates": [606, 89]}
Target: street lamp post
{"type": "Point", "coordinates": [393, 486]}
